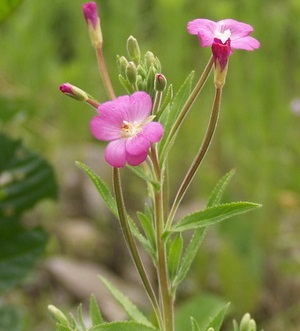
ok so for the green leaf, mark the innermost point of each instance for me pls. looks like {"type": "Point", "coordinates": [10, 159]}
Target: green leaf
{"type": "Point", "coordinates": [195, 325]}
{"type": "Point", "coordinates": [174, 255]}
{"type": "Point", "coordinates": [213, 215]}
{"type": "Point", "coordinates": [219, 189]}
{"type": "Point", "coordinates": [165, 103]}
{"type": "Point", "coordinates": [80, 318]}
{"type": "Point", "coordinates": [25, 178]}
{"type": "Point", "coordinates": [168, 117]}
{"type": "Point", "coordinates": [140, 173]}
{"type": "Point", "coordinates": [95, 312]}
{"type": "Point", "coordinates": [201, 307]}
{"type": "Point", "coordinates": [148, 228]}
{"type": "Point", "coordinates": [128, 306]}
{"type": "Point", "coordinates": [11, 318]}
{"type": "Point", "coordinates": [143, 241]}
{"type": "Point", "coordinates": [217, 320]}
{"type": "Point", "coordinates": [101, 187]}
{"type": "Point", "coordinates": [122, 326]}
{"type": "Point", "coordinates": [7, 7]}
{"type": "Point", "coordinates": [61, 327]}
{"type": "Point", "coordinates": [189, 256]}
{"type": "Point", "coordinates": [128, 87]}
{"type": "Point", "coordinates": [19, 250]}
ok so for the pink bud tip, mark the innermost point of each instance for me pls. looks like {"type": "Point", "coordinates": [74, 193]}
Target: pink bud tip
{"type": "Point", "coordinates": [66, 88]}
{"type": "Point", "coordinates": [90, 12]}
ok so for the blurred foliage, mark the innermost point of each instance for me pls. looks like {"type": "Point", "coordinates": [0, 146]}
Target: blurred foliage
{"type": "Point", "coordinates": [46, 43]}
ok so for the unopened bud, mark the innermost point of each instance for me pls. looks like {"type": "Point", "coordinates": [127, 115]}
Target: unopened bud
{"type": "Point", "coordinates": [244, 326]}
{"type": "Point", "coordinates": [122, 65]}
{"type": "Point", "coordinates": [90, 12]}
{"type": "Point", "coordinates": [58, 315]}
{"type": "Point", "coordinates": [151, 78]}
{"type": "Point", "coordinates": [133, 50]}
{"type": "Point", "coordinates": [160, 83]}
{"type": "Point", "coordinates": [252, 325]}
{"type": "Point", "coordinates": [73, 92]}
{"type": "Point", "coordinates": [131, 72]}
{"type": "Point", "coordinates": [150, 59]}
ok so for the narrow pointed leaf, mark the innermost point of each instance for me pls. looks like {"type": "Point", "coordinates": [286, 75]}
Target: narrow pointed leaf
{"type": "Point", "coordinates": [80, 318]}
{"type": "Point", "coordinates": [95, 312]}
{"type": "Point", "coordinates": [140, 173]}
{"type": "Point", "coordinates": [101, 187]}
{"type": "Point", "coordinates": [189, 256]}
{"type": "Point", "coordinates": [122, 326]}
{"type": "Point", "coordinates": [128, 306]}
{"type": "Point", "coordinates": [137, 234]}
{"type": "Point", "coordinates": [174, 255]}
{"type": "Point", "coordinates": [165, 103]}
{"type": "Point", "coordinates": [148, 228]}
{"type": "Point", "coordinates": [213, 215]}
{"type": "Point", "coordinates": [195, 325]}
{"type": "Point", "coordinates": [217, 320]}
{"type": "Point", "coordinates": [219, 189]}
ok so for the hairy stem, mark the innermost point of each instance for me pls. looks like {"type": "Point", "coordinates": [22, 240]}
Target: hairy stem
{"type": "Point", "coordinates": [104, 73]}
{"type": "Point", "coordinates": [132, 244]}
{"type": "Point", "coordinates": [199, 157]}
{"type": "Point", "coordinates": [167, 302]}
{"type": "Point", "coordinates": [187, 106]}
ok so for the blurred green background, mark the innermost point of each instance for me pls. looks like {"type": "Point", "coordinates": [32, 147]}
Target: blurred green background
{"type": "Point", "coordinates": [254, 261]}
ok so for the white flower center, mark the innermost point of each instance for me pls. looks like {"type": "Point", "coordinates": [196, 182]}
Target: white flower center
{"type": "Point", "coordinates": [223, 36]}
{"type": "Point", "coordinates": [131, 129]}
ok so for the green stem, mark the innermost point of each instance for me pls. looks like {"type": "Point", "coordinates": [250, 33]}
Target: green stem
{"type": "Point", "coordinates": [187, 106]}
{"type": "Point", "coordinates": [132, 245]}
{"type": "Point", "coordinates": [166, 297]}
{"type": "Point", "coordinates": [199, 157]}
{"type": "Point", "coordinates": [104, 73]}
{"type": "Point", "coordinates": [157, 102]}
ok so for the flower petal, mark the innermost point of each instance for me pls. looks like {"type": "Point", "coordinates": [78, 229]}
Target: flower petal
{"type": "Point", "coordinates": [247, 43]}
{"type": "Point", "coordinates": [103, 129]}
{"type": "Point", "coordinates": [137, 145]}
{"type": "Point", "coordinates": [153, 131]}
{"type": "Point", "coordinates": [237, 29]}
{"type": "Point", "coordinates": [115, 153]}
{"type": "Point", "coordinates": [135, 160]}
{"type": "Point", "coordinates": [204, 29]}
{"type": "Point", "coordinates": [140, 107]}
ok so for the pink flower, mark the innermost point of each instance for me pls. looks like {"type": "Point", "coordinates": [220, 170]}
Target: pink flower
{"type": "Point", "coordinates": [223, 36]}
{"type": "Point", "coordinates": [90, 12]}
{"type": "Point", "coordinates": [126, 122]}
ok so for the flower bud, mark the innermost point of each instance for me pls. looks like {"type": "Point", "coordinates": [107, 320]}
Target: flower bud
{"type": "Point", "coordinates": [151, 78]}
{"type": "Point", "coordinates": [244, 326]}
{"type": "Point", "coordinates": [58, 315]}
{"type": "Point", "coordinates": [122, 65]}
{"type": "Point", "coordinates": [73, 92]}
{"type": "Point", "coordinates": [160, 83]}
{"type": "Point", "coordinates": [133, 50]}
{"type": "Point", "coordinates": [141, 71]}
{"type": "Point", "coordinates": [131, 72]}
{"type": "Point", "coordinates": [150, 59]}
{"type": "Point", "coordinates": [221, 52]}
{"type": "Point", "coordinates": [90, 13]}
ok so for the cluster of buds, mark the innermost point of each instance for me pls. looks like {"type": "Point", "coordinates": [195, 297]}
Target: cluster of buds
{"type": "Point", "coordinates": [139, 73]}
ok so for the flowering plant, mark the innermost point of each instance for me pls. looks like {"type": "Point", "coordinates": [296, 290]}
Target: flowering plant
{"type": "Point", "coordinates": [141, 128]}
